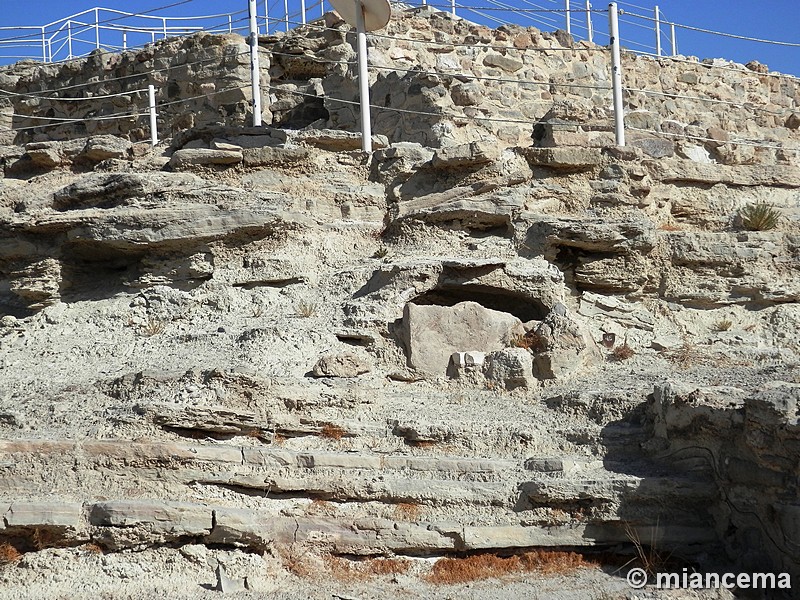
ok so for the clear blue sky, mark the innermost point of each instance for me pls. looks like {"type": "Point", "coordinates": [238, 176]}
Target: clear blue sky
{"type": "Point", "coordinates": [770, 19]}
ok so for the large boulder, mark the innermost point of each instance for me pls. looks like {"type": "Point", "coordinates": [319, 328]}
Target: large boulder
{"type": "Point", "coordinates": [433, 333]}
{"type": "Point", "coordinates": [566, 346]}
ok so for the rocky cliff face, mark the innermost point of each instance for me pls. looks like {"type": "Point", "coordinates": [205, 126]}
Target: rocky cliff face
{"type": "Point", "coordinates": [257, 347]}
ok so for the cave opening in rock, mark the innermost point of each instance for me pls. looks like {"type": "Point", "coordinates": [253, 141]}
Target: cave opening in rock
{"type": "Point", "coordinates": [518, 304]}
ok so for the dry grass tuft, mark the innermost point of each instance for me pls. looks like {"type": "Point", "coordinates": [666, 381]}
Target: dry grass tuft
{"type": "Point", "coordinates": [488, 566]}
{"type": "Point", "coordinates": [649, 558]}
{"type": "Point", "coordinates": [622, 352]}
{"type": "Point", "coordinates": [92, 548]}
{"type": "Point", "coordinates": [685, 355]}
{"type": "Point", "coordinates": [723, 325]}
{"type": "Point", "coordinates": [306, 309]}
{"type": "Point", "coordinates": [153, 326]}
{"type": "Point", "coordinates": [332, 432]}
{"type": "Point", "coordinates": [346, 570]}
{"type": "Point", "coordinates": [530, 341]}
{"type": "Point", "coordinates": [760, 217]}
{"type": "Point", "coordinates": [46, 538]}
{"type": "Point", "coordinates": [9, 554]}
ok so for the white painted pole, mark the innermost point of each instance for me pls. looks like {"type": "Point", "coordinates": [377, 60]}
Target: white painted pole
{"type": "Point", "coordinates": [658, 31]}
{"type": "Point", "coordinates": [124, 40]}
{"type": "Point", "coordinates": [303, 11]}
{"type": "Point", "coordinates": [453, 7]}
{"type": "Point", "coordinates": [286, 13]}
{"type": "Point", "coordinates": [255, 74]}
{"type": "Point", "coordinates": [673, 39]}
{"type": "Point", "coordinates": [164, 26]}
{"type": "Point", "coordinates": [151, 94]}
{"type": "Point", "coordinates": [616, 74]}
{"type": "Point", "coordinates": [266, 17]}
{"type": "Point", "coordinates": [590, 31]}
{"type": "Point", "coordinates": [44, 47]}
{"type": "Point", "coordinates": [69, 39]}
{"type": "Point", "coordinates": [230, 24]}
{"type": "Point", "coordinates": [363, 78]}
{"type": "Point", "coordinates": [96, 28]}
{"type": "Point", "coordinates": [569, 20]}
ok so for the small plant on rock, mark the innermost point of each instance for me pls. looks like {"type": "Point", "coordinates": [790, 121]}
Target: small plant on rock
{"type": "Point", "coordinates": [760, 216]}
{"type": "Point", "coordinates": [332, 432]}
{"type": "Point", "coordinates": [723, 325]}
{"type": "Point", "coordinates": [9, 554]}
{"type": "Point", "coordinates": [532, 341]}
{"type": "Point", "coordinates": [154, 326]}
{"type": "Point", "coordinates": [622, 352]}
{"type": "Point", "coordinates": [306, 309]}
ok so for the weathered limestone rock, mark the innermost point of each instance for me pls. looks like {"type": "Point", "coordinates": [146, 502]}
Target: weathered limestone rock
{"type": "Point", "coordinates": [465, 364]}
{"type": "Point", "coordinates": [507, 63]}
{"type": "Point", "coordinates": [510, 368]}
{"type": "Point", "coordinates": [108, 190]}
{"type": "Point", "coordinates": [467, 155]}
{"type": "Point", "coordinates": [267, 156]}
{"type": "Point", "coordinates": [566, 158]}
{"type": "Point", "coordinates": [346, 364]}
{"type": "Point", "coordinates": [201, 156]}
{"type": "Point", "coordinates": [126, 524]}
{"type": "Point", "coordinates": [335, 140]}
{"type": "Point", "coordinates": [432, 333]}
{"type": "Point", "coordinates": [102, 147]}
{"type": "Point", "coordinates": [567, 346]}
{"type": "Point", "coordinates": [67, 515]}
{"type": "Point", "coordinates": [39, 284]}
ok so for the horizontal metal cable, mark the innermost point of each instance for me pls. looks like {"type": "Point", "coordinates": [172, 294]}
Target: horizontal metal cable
{"type": "Point", "coordinates": [708, 139]}
{"type": "Point", "coordinates": [709, 100]}
{"type": "Point", "coordinates": [721, 33]}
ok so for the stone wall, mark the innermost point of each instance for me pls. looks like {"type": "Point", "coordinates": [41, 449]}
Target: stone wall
{"type": "Point", "coordinates": [472, 84]}
{"type": "Point", "coordinates": [199, 80]}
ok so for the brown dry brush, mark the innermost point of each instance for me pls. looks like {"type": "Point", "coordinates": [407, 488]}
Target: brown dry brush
{"type": "Point", "coordinates": [332, 432]}
{"type": "Point", "coordinates": [9, 554]}
{"type": "Point", "coordinates": [346, 570]}
{"type": "Point", "coordinates": [488, 566]}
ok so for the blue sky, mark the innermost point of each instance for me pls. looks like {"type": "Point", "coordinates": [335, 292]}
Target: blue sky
{"type": "Point", "coordinates": [769, 19]}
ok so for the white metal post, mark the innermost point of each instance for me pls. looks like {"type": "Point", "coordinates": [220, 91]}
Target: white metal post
{"type": "Point", "coordinates": [363, 78]}
{"type": "Point", "coordinates": [44, 47]}
{"type": "Point", "coordinates": [616, 74]}
{"type": "Point", "coordinates": [230, 24]}
{"type": "Point", "coordinates": [658, 30]}
{"type": "Point", "coordinates": [672, 38]}
{"type": "Point", "coordinates": [286, 13]}
{"type": "Point", "coordinates": [453, 7]}
{"type": "Point", "coordinates": [151, 94]}
{"type": "Point", "coordinates": [69, 39]}
{"type": "Point", "coordinates": [255, 74]}
{"type": "Point", "coordinates": [590, 31]}
{"type": "Point", "coordinates": [569, 21]}
{"type": "Point", "coordinates": [96, 27]}
{"type": "Point", "coordinates": [124, 40]}
{"type": "Point", "coordinates": [164, 26]}
{"type": "Point", "coordinates": [266, 17]}
{"type": "Point", "coordinates": [303, 11]}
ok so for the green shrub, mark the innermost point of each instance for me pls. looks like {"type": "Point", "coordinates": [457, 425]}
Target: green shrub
{"type": "Point", "coordinates": [760, 216]}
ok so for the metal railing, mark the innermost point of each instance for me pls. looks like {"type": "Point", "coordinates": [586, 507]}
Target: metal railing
{"type": "Point", "coordinates": [116, 30]}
